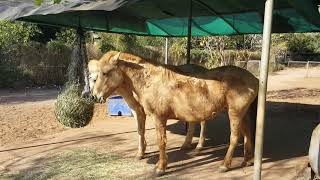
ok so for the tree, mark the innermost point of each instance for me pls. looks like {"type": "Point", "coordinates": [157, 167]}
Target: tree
{"type": "Point", "coordinates": [39, 2]}
{"type": "Point", "coordinates": [16, 33]}
{"type": "Point", "coordinates": [303, 43]}
{"type": "Point", "coordinates": [12, 36]}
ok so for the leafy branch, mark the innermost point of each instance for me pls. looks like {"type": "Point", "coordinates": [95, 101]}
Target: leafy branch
{"type": "Point", "coordinates": [39, 2]}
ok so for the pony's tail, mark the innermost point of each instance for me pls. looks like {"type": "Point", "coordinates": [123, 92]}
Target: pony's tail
{"type": "Point", "coordinates": [253, 117]}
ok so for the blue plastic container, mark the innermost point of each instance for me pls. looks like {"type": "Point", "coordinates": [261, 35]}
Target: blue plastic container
{"type": "Point", "coordinates": [118, 107]}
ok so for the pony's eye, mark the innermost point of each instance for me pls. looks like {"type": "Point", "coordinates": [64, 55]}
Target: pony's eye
{"type": "Point", "coordinates": [104, 74]}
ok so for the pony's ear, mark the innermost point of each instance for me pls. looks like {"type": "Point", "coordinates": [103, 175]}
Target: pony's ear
{"type": "Point", "coordinates": [93, 66]}
{"type": "Point", "coordinates": [115, 58]}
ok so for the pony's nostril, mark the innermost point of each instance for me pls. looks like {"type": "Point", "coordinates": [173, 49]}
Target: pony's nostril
{"type": "Point", "coordinates": [101, 100]}
{"type": "Point", "coordinates": [85, 94]}
{"type": "Point", "coordinates": [92, 97]}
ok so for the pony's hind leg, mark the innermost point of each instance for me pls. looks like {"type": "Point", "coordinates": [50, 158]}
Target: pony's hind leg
{"type": "Point", "coordinates": [188, 140]}
{"type": "Point", "coordinates": [248, 142]}
{"type": "Point", "coordinates": [202, 138]}
{"type": "Point", "coordinates": [235, 121]}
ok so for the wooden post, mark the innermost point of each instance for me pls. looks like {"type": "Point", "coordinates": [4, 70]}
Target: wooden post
{"type": "Point", "coordinates": [263, 81]}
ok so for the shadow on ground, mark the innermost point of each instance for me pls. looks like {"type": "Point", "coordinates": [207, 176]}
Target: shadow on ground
{"type": "Point", "coordinates": [27, 95]}
{"type": "Point", "coordinates": [288, 128]}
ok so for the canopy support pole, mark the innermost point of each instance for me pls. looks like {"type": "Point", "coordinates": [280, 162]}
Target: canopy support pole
{"type": "Point", "coordinates": [263, 80]}
{"type": "Point", "coordinates": [189, 44]}
{"type": "Point", "coordinates": [166, 52]}
{"type": "Point", "coordinates": [189, 33]}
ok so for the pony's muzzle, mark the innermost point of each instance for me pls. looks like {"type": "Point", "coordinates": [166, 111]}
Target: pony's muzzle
{"type": "Point", "coordinates": [100, 99]}
{"type": "Point", "coordinates": [92, 97]}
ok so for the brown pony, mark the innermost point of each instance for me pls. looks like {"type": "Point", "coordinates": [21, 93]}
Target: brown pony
{"type": "Point", "coordinates": [165, 92]}
{"type": "Point", "coordinates": [140, 116]}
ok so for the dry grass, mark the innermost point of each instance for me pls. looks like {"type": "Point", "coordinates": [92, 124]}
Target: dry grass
{"type": "Point", "coordinates": [83, 164]}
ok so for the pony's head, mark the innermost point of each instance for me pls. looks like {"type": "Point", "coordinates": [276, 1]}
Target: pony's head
{"type": "Point", "coordinates": [109, 77]}
{"type": "Point", "coordinates": [93, 68]}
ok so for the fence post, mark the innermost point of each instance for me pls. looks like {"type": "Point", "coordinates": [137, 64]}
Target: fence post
{"type": "Point", "coordinates": [307, 74]}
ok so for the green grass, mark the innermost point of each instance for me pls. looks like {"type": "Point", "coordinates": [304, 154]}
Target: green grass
{"type": "Point", "coordinates": [83, 164]}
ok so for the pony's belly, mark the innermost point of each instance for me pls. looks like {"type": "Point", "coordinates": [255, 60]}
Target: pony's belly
{"type": "Point", "coordinates": [192, 107]}
{"type": "Point", "coordinates": [194, 114]}
{"type": "Point", "coordinates": [196, 107]}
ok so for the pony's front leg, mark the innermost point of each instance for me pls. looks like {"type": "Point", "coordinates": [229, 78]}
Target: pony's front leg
{"type": "Point", "coordinates": [202, 138]}
{"type": "Point", "coordinates": [161, 126]}
{"type": "Point", "coordinates": [142, 144]}
{"type": "Point", "coordinates": [235, 121]}
{"type": "Point", "coordinates": [140, 116]}
{"type": "Point", "coordinates": [189, 136]}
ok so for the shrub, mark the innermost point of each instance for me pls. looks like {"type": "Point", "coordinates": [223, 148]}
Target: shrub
{"type": "Point", "coordinates": [11, 75]}
{"type": "Point", "coordinates": [301, 43]}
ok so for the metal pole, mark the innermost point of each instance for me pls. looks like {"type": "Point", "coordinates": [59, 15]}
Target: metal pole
{"type": "Point", "coordinates": [166, 52]}
{"type": "Point", "coordinates": [263, 80]}
{"type": "Point", "coordinates": [189, 32]}
{"type": "Point", "coordinates": [189, 44]}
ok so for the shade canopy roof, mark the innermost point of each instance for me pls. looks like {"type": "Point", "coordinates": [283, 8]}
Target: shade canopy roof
{"type": "Point", "coordinates": [167, 17]}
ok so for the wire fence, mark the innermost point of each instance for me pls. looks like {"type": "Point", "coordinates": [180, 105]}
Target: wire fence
{"type": "Point", "coordinates": [307, 64]}
{"type": "Point", "coordinates": [22, 76]}
{"type": "Point", "coordinates": [312, 67]}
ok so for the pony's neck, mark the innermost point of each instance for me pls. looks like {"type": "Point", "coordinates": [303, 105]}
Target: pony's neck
{"type": "Point", "coordinates": [136, 75]}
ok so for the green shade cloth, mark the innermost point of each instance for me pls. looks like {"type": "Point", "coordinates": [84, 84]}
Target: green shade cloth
{"type": "Point", "coordinates": [169, 17]}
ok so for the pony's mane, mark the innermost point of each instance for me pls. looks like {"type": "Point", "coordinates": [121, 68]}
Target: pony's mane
{"type": "Point", "coordinates": [168, 71]}
{"type": "Point", "coordinates": [128, 57]}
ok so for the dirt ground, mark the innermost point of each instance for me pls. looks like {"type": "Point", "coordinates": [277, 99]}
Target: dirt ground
{"type": "Point", "coordinates": [29, 132]}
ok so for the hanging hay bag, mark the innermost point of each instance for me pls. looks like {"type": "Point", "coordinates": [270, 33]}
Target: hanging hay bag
{"type": "Point", "coordinates": [71, 109]}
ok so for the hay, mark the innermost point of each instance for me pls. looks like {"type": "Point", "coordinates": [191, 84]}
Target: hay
{"type": "Point", "coordinates": [71, 109]}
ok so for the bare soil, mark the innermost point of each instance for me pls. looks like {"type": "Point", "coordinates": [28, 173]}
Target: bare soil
{"type": "Point", "coordinates": [27, 115]}
{"type": "Point", "coordinates": [29, 133]}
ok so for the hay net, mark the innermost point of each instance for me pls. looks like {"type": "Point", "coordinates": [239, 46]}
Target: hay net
{"type": "Point", "coordinates": [73, 107]}
{"type": "Point", "coordinates": [78, 70]}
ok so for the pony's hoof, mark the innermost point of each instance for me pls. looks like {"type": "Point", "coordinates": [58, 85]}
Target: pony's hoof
{"type": "Point", "coordinates": [186, 147]}
{"type": "Point", "coordinates": [223, 169]}
{"type": "Point", "coordinates": [139, 157]}
{"type": "Point", "coordinates": [195, 152]}
{"type": "Point", "coordinates": [159, 172]}
{"type": "Point", "coordinates": [199, 148]}
{"type": "Point", "coordinates": [246, 163]}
